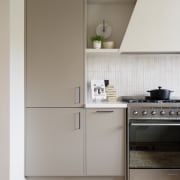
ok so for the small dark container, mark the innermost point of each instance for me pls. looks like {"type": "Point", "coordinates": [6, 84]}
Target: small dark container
{"type": "Point", "coordinates": [106, 82]}
{"type": "Point", "coordinates": [160, 94]}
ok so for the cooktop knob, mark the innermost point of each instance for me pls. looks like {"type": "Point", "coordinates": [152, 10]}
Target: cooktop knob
{"type": "Point", "coordinates": [162, 112]}
{"type": "Point", "coordinates": [135, 112]}
{"type": "Point", "coordinates": [171, 113]}
{"type": "Point", "coordinates": [178, 113]}
{"type": "Point", "coordinates": [144, 113]}
{"type": "Point", "coordinates": [153, 112]}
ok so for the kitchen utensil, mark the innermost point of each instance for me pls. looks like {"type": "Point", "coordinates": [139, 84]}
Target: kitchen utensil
{"type": "Point", "coordinates": [160, 94]}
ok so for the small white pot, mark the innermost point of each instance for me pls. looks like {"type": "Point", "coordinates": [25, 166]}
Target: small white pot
{"type": "Point", "coordinates": [97, 44]}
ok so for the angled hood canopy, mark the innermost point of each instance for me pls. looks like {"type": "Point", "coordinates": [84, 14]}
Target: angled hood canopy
{"type": "Point", "coordinates": [154, 28]}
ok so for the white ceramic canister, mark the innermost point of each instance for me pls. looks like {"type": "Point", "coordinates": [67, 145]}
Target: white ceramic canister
{"type": "Point", "coordinates": [97, 44]}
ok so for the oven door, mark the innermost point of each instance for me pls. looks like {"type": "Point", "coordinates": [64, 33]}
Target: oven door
{"type": "Point", "coordinates": [154, 144]}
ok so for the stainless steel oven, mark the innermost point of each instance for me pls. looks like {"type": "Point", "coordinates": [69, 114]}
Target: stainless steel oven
{"type": "Point", "coordinates": [153, 142]}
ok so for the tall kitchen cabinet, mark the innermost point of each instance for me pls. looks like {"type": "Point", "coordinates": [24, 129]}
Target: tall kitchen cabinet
{"type": "Point", "coordinates": [55, 53]}
{"type": "Point", "coordinates": [54, 87]}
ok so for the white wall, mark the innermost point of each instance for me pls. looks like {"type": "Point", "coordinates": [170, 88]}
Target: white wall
{"type": "Point", "coordinates": [4, 89]}
{"type": "Point", "coordinates": [135, 74]}
{"type": "Point", "coordinates": [17, 89]}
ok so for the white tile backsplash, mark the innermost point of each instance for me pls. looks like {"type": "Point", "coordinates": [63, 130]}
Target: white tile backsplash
{"type": "Point", "coordinates": [135, 74]}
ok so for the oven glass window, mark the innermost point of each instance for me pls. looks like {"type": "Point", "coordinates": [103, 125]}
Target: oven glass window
{"type": "Point", "coordinates": [154, 144]}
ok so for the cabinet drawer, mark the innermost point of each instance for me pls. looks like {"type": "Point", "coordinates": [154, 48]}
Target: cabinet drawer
{"type": "Point", "coordinates": [154, 174]}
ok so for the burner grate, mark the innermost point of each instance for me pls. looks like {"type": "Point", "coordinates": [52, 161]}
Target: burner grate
{"type": "Point", "coordinates": [148, 100]}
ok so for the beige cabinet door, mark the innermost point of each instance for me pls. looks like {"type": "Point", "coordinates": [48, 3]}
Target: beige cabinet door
{"type": "Point", "coordinates": [105, 138]}
{"type": "Point", "coordinates": [54, 141]}
{"type": "Point", "coordinates": [55, 53]}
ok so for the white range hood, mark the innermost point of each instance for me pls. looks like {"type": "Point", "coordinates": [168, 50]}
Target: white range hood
{"type": "Point", "coordinates": [154, 28]}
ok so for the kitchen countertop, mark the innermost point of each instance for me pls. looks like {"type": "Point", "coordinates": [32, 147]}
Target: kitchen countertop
{"type": "Point", "coordinates": [105, 104]}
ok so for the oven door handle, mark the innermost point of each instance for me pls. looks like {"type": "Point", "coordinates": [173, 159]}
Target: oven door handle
{"type": "Point", "coordinates": [155, 124]}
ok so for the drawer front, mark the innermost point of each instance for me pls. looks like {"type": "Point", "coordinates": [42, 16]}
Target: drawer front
{"type": "Point", "coordinates": [154, 174]}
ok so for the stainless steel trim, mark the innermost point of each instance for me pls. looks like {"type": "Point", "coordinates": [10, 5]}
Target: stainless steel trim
{"type": "Point", "coordinates": [127, 175]}
{"type": "Point", "coordinates": [172, 174]}
{"type": "Point", "coordinates": [105, 111]}
{"type": "Point", "coordinates": [155, 124]}
{"type": "Point", "coordinates": [149, 174]}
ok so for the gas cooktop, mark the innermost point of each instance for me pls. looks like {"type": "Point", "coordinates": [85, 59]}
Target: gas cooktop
{"type": "Point", "coordinates": [146, 108]}
{"type": "Point", "coordinates": [148, 100]}
{"type": "Point", "coordinates": [152, 101]}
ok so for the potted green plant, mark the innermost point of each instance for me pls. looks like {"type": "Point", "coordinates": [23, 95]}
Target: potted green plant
{"type": "Point", "coordinates": [97, 41]}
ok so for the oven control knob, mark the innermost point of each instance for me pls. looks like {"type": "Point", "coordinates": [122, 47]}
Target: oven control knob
{"type": "Point", "coordinates": [153, 112]}
{"type": "Point", "coordinates": [172, 113]}
{"type": "Point", "coordinates": [178, 113]}
{"type": "Point", "coordinates": [144, 113]}
{"type": "Point", "coordinates": [135, 113]}
{"type": "Point", "coordinates": [162, 112]}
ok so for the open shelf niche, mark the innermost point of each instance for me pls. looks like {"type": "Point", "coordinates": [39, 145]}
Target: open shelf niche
{"type": "Point", "coordinates": [115, 13]}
